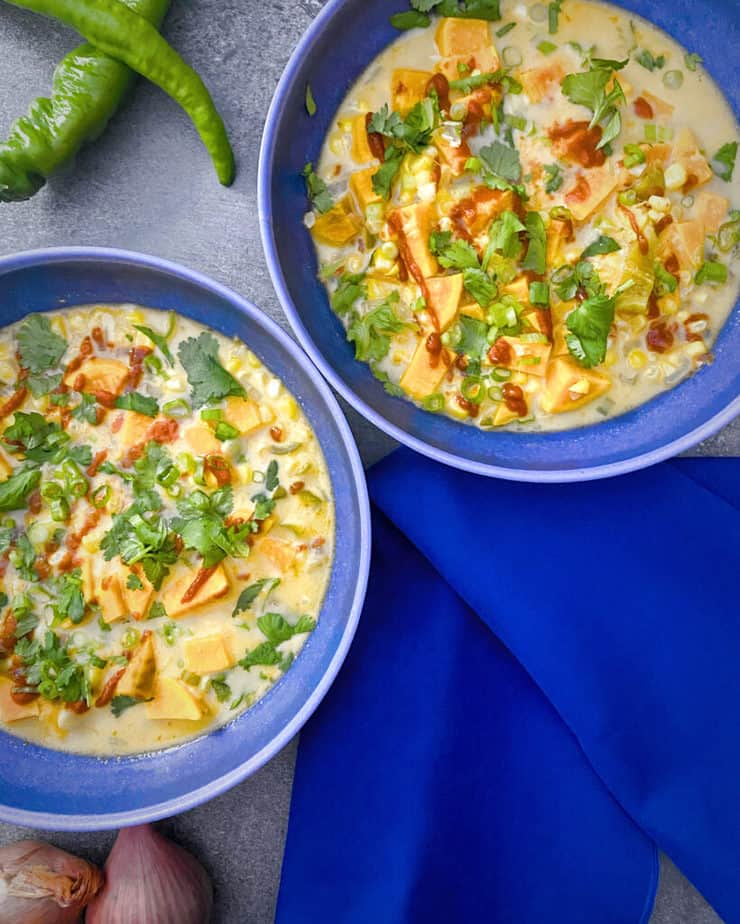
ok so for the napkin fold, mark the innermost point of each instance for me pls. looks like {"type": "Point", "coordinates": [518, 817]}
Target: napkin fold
{"type": "Point", "coordinates": [523, 774]}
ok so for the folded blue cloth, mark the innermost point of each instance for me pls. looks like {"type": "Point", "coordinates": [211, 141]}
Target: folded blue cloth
{"type": "Point", "coordinates": [445, 777]}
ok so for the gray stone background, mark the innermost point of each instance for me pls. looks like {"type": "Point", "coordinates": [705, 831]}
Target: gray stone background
{"type": "Point", "coordinates": [148, 185]}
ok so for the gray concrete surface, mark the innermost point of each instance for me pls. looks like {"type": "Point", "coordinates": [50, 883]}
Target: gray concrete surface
{"type": "Point", "coordinates": [149, 186]}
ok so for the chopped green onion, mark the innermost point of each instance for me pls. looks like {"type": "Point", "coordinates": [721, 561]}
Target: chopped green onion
{"type": "Point", "coordinates": [434, 403]}
{"type": "Point", "coordinates": [655, 132]}
{"type": "Point", "coordinates": [560, 213]}
{"type": "Point", "coordinates": [517, 122]}
{"type": "Point", "coordinates": [473, 164]}
{"type": "Point", "coordinates": [691, 60]}
{"type": "Point", "coordinates": [500, 374]}
{"type": "Point", "coordinates": [495, 393]}
{"type": "Point", "coordinates": [258, 477]}
{"type": "Point", "coordinates": [153, 364]}
{"type": "Point", "coordinates": [553, 14]}
{"type": "Point", "coordinates": [472, 389]}
{"type": "Point", "coordinates": [673, 80]}
{"type": "Point", "coordinates": [212, 413]}
{"type": "Point", "coordinates": [533, 337]}
{"type": "Point", "coordinates": [199, 473]}
{"type": "Point", "coordinates": [284, 449]}
{"type": "Point", "coordinates": [633, 155]}
{"type": "Point", "coordinates": [547, 48]}
{"type": "Point", "coordinates": [511, 56]}
{"type": "Point", "coordinates": [665, 282]}
{"type": "Point", "coordinates": [60, 510]}
{"type": "Point", "coordinates": [504, 30]}
{"type": "Point", "coordinates": [728, 235]}
{"type": "Point", "coordinates": [310, 101]}
{"type": "Point", "coordinates": [129, 638]}
{"type": "Point", "coordinates": [687, 202]}
{"type": "Point", "coordinates": [177, 408]}
{"type": "Point", "coordinates": [51, 491]}
{"type": "Point", "coordinates": [711, 271]}
{"type": "Point", "coordinates": [100, 496]}
{"type": "Point", "coordinates": [627, 197]}
{"type": "Point", "coordinates": [538, 12]}
{"type": "Point", "coordinates": [539, 293]}
{"type": "Point", "coordinates": [224, 431]}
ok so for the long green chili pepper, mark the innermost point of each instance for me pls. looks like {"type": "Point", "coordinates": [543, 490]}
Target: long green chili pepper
{"type": "Point", "coordinates": [87, 89]}
{"type": "Point", "coordinates": [119, 32]}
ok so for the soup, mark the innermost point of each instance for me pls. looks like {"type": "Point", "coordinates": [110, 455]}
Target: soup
{"type": "Point", "coordinates": [166, 529]}
{"type": "Point", "coordinates": [519, 228]}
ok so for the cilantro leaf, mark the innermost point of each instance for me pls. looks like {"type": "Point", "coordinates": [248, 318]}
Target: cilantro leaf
{"type": "Point", "coordinates": [480, 285]}
{"type": "Point", "coordinates": [602, 244]}
{"type": "Point", "coordinates": [589, 327]}
{"type": "Point", "coordinates": [15, 489]}
{"type": "Point", "coordinates": [665, 282]}
{"type": "Point", "coordinates": [649, 61]}
{"type": "Point", "coordinates": [453, 253]}
{"type": "Point", "coordinates": [263, 655]}
{"type": "Point", "coordinates": [411, 133]}
{"type": "Point", "coordinates": [503, 237]}
{"type": "Point", "coordinates": [589, 89]}
{"type": "Point", "coordinates": [23, 557]}
{"type": "Point", "coordinates": [471, 337]}
{"type": "Point", "coordinates": [272, 479]}
{"type": "Point", "coordinates": [317, 190]}
{"type": "Point", "coordinates": [119, 704]}
{"type": "Point", "coordinates": [40, 385]}
{"type": "Point", "coordinates": [502, 161]}
{"type": "Point", "coordinates": [41, 348]}
{"type": "Point", "coordinates": [409, 19]}
{"type": "Point", "coordinates": [50, 669]}
{"type": "Point", "coordinates": [535, 258]}
{"type": "Point", "coordinates": [38, 439]}
{"type": "Point", "coordinates": [87, 410]}
{"type": "Point", "coordinates": [136, 538]}
{"type": "Point", "coordinates": [692, 60]}
{"type": "Point", "coordinates": [202, 527]}
{"type": "Point", "coordinates": [351, 288]}
{"type": "Point", "coordinates": [471, 9]}
{"type": "Point", "coordinates": [475, 81]}
{"type": "Point", "coordinates": [208, 379]}
{"type": "Point", "coordinates": [250, 594]}
{"type": "Point", "coordinates": [277, 629]}
{"type": "Point", "coordinates": [554, 178]}
{"type": "Point", "coordinates": [142, 404]}
{"type": "Point", "coordinates": [311, 107]}
{"type": "Point", "coordinates": [158, 340]}
{"type": "Point", "coordinates": [723, 162]}
{"type": "Point", "coordinates": [385, 174]}
{"type": "Point", "coordinates": [68, 601]}
{"type": "Point", "coordinates": [134, 582]}
{"type": "Point", "coordinates": [220, 688]}
{"type": "Point", "coordinates": [424, 6]}
{"type": "Point", "coordinates": [371, 333]}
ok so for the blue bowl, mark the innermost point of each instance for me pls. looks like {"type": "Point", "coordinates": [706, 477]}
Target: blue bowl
{"type": "Point", "coordinates": [341, 42]}
{"type": "Point", "coordinates": [44, 788]}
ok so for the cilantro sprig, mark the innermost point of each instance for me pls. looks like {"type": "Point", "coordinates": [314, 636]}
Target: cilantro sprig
{"type": "Point", "coordinates": [589, 89]}
{"type": "Point", "coordinates": [409, 134]}
{"type": "Point", "coordinates": [201, 526]}
{"type": "Point", "coordinates": [371, 333]}
{"type": "Point", "coordinates": [208, 379]}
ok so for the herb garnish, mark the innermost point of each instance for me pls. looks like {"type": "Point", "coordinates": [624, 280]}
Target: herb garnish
{"type": "Point", "coordinates": [142, 404]}
{"type": "Point", "coordinates": [371, 333]}
{"type": "Point", "coordinates": [589, 89]}
{"type": "Point", "coordinates": [317, 190]}
{"type": "Point", "coordinates": [723, 162]}
{"type": "Point", "coordinates": [41, 348]}
{"type": "Point", "coordinates": [201, 525]}
{"type": "Point", "coordinates": [208, 379]}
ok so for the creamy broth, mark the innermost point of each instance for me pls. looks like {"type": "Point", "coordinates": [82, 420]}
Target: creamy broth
{"type": "Point", "coordinates": [501, 353]}
{"type": "Point", "coordinates": [167, 556]}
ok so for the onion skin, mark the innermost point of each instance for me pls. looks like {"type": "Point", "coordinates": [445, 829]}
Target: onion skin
{"type": "Point", "coordinates": [40, 884]}
{"type": "Point", "coordinates": [151, 880]}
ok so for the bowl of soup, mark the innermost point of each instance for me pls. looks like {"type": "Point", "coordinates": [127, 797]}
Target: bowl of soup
{"type": "Point", "coordinates": [185, 538]}
{"type": "Point", "coordinates": [509, 234]}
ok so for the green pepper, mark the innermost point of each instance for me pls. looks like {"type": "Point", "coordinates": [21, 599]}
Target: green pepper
{"type": "Point", "coordinates": [87, 89]}
{"type": "Point", "coordinates": [115, 29]}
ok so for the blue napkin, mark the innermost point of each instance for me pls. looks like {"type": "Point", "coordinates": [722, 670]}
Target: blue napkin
{"type": "Point", "coordinates": [447, 778]}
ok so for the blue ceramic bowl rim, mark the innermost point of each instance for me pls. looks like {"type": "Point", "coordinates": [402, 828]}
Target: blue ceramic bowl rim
{"type": "Point", "coordinates": [219, 785]}
{"type": "Point", "coordinates": [264, 182]}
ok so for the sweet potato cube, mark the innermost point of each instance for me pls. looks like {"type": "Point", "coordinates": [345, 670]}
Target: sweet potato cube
{"type": "Point", "coordinates": [539, 82]}
{"type": "Point", "coordinates": [473, 310]}
{"type": "Point", "coordinates": [479, 210]}
{"type": "Point", "coordinates": [172, 700]}
{"type": "Point", "coordinates": [558, 234]}
{"type": "Point", "coordinates": [138, 679]}
{"type": "Point", "coordinates": [88, 579]}
{"type": "Point", "coordinates": [711, 210]}
{"type": "Point", "coordinates": [456, 36]}
{"type": "Point", "coordinates": [444, 297]}
{"type": "Point", "coordinates": [99, 375]}
{"type": "Point", "coordinates": [421, 377]}
{"type": "Point", "coordinates": [137, 599]}
{"type": "Point", "coordinates": [685, 240]}
{"type": "Point", "coordinates": [408, 87]}
{"type": "Point", "coordinates": [10, 711]}
{"type": "Point", "coordinates": [207, 654]}
{"type": "Point", "coordinates": [559, 344]}
{"type": "Point", "coordinates": [503, 415]}
{"type": "Point", "coordinates": [590, 191]}
{"type": "Point", "coordinates": [569, 386]}
{"type": "Point", "coordinates": [527, 357]}
{"type": "Point", "coordinates": [281, 554]}
{"type": "Point", "coordinates": [338, 226]}
{"type": "Point", "coordinates": [133, 429]}
{"type": "Point", "coordinates": [657, 153]}
{"type": "Point", "coordinates": [454, 156]}
{"type": "Point", "coordinates": [243, 414]}
{"type": "Point", "coordinates": [174, 591]}
{"type": "Point", "coordinates": [413, 223]}
{"type": "Point", "coordinates": [202, 439]}
{"type": "Point", "coordinates": [686, 152]}
{"type": "Point", "coordinates": [110, 598]}
{"type": "Point", "coordinates": [361, 184]}
{"type": "Point", "coordinates": [519, 288]}
{"type": "Point", "coordinates": [485, 60]}
{"type": "Point", "coordinates": [361, 152]}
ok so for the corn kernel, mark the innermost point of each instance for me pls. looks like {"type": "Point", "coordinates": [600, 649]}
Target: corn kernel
{"type": "Point", "coordinates": [244, 473]}
{"type": "Point", "coordinates": [519, 378]}
{"type": "Point", "coordinates": [659, 203]}
{"type": "Point", "coordinates": [90, 544]}
{"type": "Point", "coordinates": [355, 263]}
{"type": "Point", "coordinates": [344, 125]}
{"type": "Point", "coordinates": [406, 197]}
{"type": "Point", "coordinates": [682, 315]}
{"type": "Point", "coordinates": [695, 348]}
{"type": "Point", "coordinates": [233, 365]}
{"type": "Point", "coordinates": [637, 359]}
{"type": "Point", "coordinates": [7, 373]}
{"type": "Point", "coordinates": [135, 316]}
{"type": "Point", "coordinates": [291, 408]}
{"type": "Point", "coordinates": [337, 144]}
{"type": "Point", "coordinates": [638, 323]}
{"type": "Point", "coordinates": [388, 250]}
{"type": "Point", "coordinates": [610, 358]}
{"type": "Point", "coordinates": [668, 304]}
{"type": "Point", "coordinates": [252, 360]}
{"type": "Point", "coordinates": [675, 176]}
